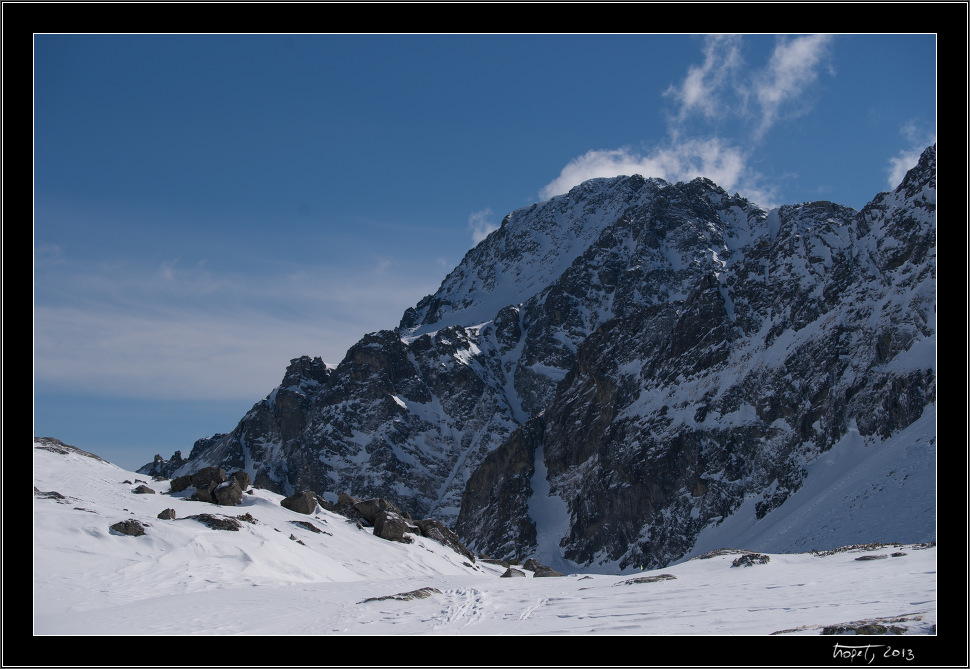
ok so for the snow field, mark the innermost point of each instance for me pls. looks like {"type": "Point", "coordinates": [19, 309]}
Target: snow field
{"type": "Point", "coordinates": [183, 578]}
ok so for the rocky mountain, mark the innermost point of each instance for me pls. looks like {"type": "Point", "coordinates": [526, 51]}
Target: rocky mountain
{"type": "Point", "coordinates": [637, 358]}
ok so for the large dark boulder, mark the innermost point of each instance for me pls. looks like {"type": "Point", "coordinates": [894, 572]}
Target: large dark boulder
{"type": "Point", "coordinates": [539, 569]}
{"type": "Point", "coordinates": [130, 527]}
{"type": "Point", "coordinates": [303, 502]}
{"type": "Point", "coordinates": [207, 475]}
{"type": "Point", "coordinates": [370, 508]}
{"type": "Point", "coordinates": [391, 526]}
{"type": "Point", "coordinates": [228, 493]}
{"type": "Point", "coordinates": [200, 479]}
{"type": "Point", "coordinates": [204, 492]}
{"type": "Point", "coordinates": [242, 478]}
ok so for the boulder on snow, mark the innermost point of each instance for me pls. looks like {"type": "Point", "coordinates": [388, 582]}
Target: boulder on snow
{"type": "Point", "coordinates": [420, 593]}
{"type": "Point", "coordinates": [346, 506]}
{"type": "Point", "coordinates": [212, 485]}
{"type": "Point", "coordinates": [242, 478]}
{"type": "Point", "coordinates": [750, 559]}
{"type": "Point", "coordinates": [512, 573]}
{"type": "Point", "coordinates": [228, 493]}
{"type": "Point", "coordinates": [303, 502]}
{"type": "Point", "coordinates": [540, 569]}
{"type": "Point", "coordinates": [217, 522]}
{"type": "Point", "coordinates": [392, 526]}
{"type": "Point", "coordinates": [130, 527]}
{"type": "Point", "coordinates": [143, 490]}
{"type": "Point", "coordinates": [167, 514]}
{"type": "Point", "coordinates": [369, 509]}
{"type": "Point", "coordinates": [648, 579]}
{"type": "Point", "coordinates": [199, 479]}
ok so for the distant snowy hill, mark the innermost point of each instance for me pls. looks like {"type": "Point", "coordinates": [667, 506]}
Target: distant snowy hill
{"type": "Point", "coordinates": [629, 373]}
{"type": "Point", "coordinates": [275, 575]}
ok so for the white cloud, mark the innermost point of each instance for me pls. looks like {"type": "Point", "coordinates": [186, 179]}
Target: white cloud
{"type": "Point", "coordinates": [705, 86]}
{"type": "Point", "coordinates": [712, 158]}
{"type": "Point", "coordinates": [718, 88]}
{"type": "Point", "coordinates": [907, 158]}
{"type": "Point", "coordinates": [792, 68]}
{"type": "Point", "coordinates": [481, 224]}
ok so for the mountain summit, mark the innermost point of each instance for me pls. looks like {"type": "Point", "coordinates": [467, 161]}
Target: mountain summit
{"type": "Point", "coordinates": [622, 373]}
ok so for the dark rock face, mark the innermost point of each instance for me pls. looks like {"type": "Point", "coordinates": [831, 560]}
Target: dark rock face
{"type": "Point", "coordinates": [162, 468]}
{"type": "Point", "coordinates": [676, 409]}
{"type": "Point", "coordinates": [652, 353]}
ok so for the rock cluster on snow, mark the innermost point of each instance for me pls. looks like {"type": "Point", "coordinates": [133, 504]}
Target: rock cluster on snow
{"type": "Point", "coordinates": [212, 485]}
{"type": "Point", "coordinates": [750, 559]}
{"type": "Point", "coordinates": [392, 523]}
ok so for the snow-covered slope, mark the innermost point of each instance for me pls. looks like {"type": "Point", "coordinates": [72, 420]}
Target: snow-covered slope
{"type": "Point", "coordinates": [181, 577]}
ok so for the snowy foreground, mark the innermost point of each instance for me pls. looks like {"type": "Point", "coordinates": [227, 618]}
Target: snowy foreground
{"type": "Point", "coordinates": [183, 578]}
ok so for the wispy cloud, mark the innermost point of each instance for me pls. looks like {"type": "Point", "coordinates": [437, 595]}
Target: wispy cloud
{"type": "Point", "coordinates": [481, 224]}
{"type": "Point", "coordinates": [792, 68]}
{"type": "Point", "coordinates": [721, 87]}
{"type": "Point", "coordinates": [705, 86]}
{"type": "Point", "coordinates": [917, 139]}
{"type": "Point", "coordinates": [174, 332]}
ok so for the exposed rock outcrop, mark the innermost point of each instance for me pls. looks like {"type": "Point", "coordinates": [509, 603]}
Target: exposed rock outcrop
{"type": "Point", "coordinates": [216, 522]}
{"type": "Point", "coordinates": [652, 354]}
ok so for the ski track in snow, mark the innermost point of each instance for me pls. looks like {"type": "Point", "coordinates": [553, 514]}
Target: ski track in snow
{"type": "Point", "coordinates": [464, 607]}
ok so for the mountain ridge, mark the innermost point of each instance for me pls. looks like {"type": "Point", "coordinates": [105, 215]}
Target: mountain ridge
{"type": "Point", "coordinates": [604, 318]}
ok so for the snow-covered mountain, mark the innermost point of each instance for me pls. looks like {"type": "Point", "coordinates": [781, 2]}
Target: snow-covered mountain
{"type": "Point", "coordinates": [621, 373]}
{"type": "Point", "coordinates": [258, 568]}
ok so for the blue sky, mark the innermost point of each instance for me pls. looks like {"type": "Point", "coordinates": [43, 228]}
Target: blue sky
{"type": "Point", "coordinates": [207, 207]}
